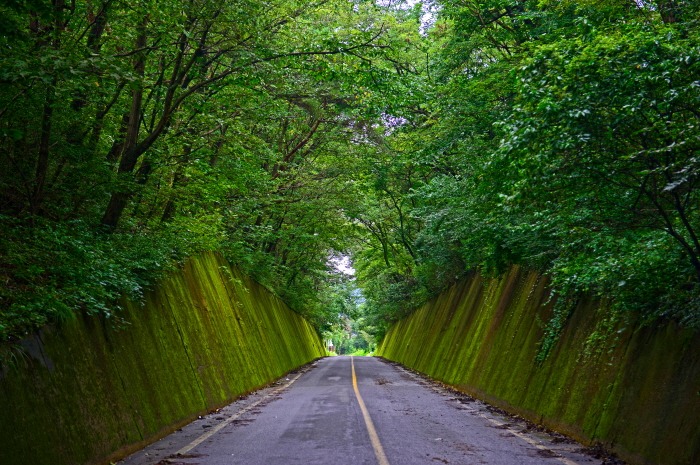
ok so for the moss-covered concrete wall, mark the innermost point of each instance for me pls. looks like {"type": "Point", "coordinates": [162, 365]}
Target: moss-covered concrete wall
{"type": "Point", "coordinates": [88, 393]}
{"type": "Point", "coordinates": [636, 392]}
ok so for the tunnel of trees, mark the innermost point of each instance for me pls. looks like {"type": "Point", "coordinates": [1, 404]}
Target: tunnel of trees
{"type": "Point", "coordinates": [420, 140]}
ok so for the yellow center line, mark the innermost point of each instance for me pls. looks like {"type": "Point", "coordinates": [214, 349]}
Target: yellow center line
{"type": "Point", "coordinates": [374, 439]}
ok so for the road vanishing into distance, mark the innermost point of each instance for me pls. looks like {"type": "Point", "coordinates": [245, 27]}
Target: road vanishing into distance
{"type": "Point", "coordinates": [359, 410]}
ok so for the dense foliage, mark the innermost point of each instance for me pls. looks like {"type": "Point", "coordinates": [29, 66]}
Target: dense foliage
{"type": "Point", "coordinates": [423, 139]}
{"type": "Point", "coordinates": [134, 134]}
{"type": "Point", "coordinates": [561, 136]}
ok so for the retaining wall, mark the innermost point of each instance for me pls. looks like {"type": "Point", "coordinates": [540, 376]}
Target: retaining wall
{"type": "Point", "coordinates": [636, 391]}
{"type": "Point", "coordinates": [90, 393]}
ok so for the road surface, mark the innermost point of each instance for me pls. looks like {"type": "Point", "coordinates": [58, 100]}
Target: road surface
{"type": "Point", "coordinates": [359, 410]}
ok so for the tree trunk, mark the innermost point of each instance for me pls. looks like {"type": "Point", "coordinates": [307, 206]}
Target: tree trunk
{"type": "Point", "coordinates": [129, 156]}
{"type": "Point", "coordinates": [668, 9]}
{"type": "Point", "coordinates": [43, 152]}
{"type": "Point", "coordinates": [42, 163]}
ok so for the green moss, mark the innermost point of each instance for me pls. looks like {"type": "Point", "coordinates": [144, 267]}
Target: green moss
{"type": "Point", "coordinates": [205, 336]}
{"type": "Point", "coordinates": [637, 393]}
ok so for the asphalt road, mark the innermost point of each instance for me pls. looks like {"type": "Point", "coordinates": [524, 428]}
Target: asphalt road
{"type": "Point", "coordinates": [388, 416]}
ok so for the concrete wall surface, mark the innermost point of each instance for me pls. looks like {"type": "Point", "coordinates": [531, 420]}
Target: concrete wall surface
{"type": "Point", "coordinates": [90, 392]}
{"type": "Point", "coordinates": [635, 390]}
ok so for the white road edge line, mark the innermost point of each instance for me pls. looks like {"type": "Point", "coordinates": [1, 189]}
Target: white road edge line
{"type": "Point", "coordinates": [527, 439]}
{"type": "Point", "coordinates": [230, 419]}
{"type": "Point", "coordinates": [500, 425]}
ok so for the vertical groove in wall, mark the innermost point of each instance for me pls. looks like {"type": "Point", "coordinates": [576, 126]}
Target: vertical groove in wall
{"type": "Point", "coordinates": [132, 406]}
{"type": "Point", "coordinates": [186, 351]}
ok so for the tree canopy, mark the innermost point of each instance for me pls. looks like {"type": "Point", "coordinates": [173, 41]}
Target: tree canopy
{"type": "Point", "coordinates": [421, 139]}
